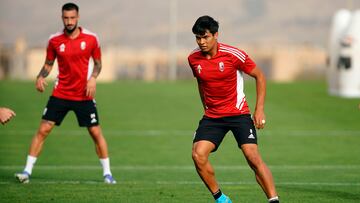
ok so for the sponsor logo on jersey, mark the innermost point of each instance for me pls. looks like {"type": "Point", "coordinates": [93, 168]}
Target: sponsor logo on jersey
{"type": "Point", "coordinates": [221, 66]}
{"type": "Point", "coordinates": [199, 68]}
{"type": "Point", "coordinates": [62, 47]}
{"type": "Point", "coordinates": [83, 45]}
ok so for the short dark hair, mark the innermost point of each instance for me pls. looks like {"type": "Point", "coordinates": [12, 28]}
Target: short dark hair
{"type": "Point", "coordinates": [204, 23]}
{"type": "Point", "coordinates": [69, 7]}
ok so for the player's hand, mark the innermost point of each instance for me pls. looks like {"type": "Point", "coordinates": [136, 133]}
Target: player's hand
{"type": "Point", "coordinates": [259, 119]}
{"type": "Point", "coordinates": [5, 115]}
{"type": "Point", "coordinates": [91, 87]}
{"type": "Point", "coordinates": [41, 84]}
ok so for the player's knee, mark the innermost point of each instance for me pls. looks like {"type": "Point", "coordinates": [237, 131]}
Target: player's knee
{"type": "Point", "coordinates": [44, 131]}
{"type": "Point", "coordinates": [95, 131]}
{"type": "Point", "coordinates": [199, 158]}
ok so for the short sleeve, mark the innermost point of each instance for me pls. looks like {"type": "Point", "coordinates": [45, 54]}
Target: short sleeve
{"type": "Point", "coordinates": [192, 69]}
{"type": "Point", "coordinates": [96, 53]}
{"type": "Point", "coordinates": [50, 52]}
{"type": "Point", "coordinates": [244, 63]}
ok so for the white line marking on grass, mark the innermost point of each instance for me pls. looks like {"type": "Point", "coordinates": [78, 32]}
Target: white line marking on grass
{"type": "Point", "coordinates": [109, 132]}
{"type": "Point", "coordinates": [191, 132]}
{"type": "Point", "coordinates": [185, 167]}
{"type": "Point", "coordinates": [72, 182]}
{"type": "Point", "coordinates": [254, 183]}
{"type": "Point", "coordinates": [69, 182]}
{"type": "Point", "coordinates": [312, 132]}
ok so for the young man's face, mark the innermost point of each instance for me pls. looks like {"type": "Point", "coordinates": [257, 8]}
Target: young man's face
{"type": "Point", "coordinates": [207, 42]}
{"type": "Point", "coordinates": [70, 19]}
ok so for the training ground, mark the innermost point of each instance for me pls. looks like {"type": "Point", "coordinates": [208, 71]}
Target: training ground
{"type": "Point", "coordinates": [311, 144]}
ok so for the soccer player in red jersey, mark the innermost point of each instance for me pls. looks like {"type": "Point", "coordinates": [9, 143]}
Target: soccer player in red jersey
{"type": "Point", "coordinates": [219, 70]}
{"type": "Point", "coordinates": [74, 88]}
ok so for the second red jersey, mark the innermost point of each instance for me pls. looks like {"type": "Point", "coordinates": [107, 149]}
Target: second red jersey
{"type": "Point", "coordinates": [221, 80]}
{"type": "Point", "coordinates": [73, 57]}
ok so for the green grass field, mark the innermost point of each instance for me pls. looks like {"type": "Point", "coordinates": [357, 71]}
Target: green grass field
{"type": "Point", "coordinates": [311, 144]}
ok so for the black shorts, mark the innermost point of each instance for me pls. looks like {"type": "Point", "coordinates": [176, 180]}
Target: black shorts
{"type": "Point", "coordinates": [215, 129]}
{"type": "Point", "coordinates": [86, 113]}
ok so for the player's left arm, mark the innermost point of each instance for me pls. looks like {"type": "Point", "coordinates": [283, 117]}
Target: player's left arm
{"type": "Point", "coordinates": [91, 84]}
{"type": "Point", "coordinates": [259, 114]}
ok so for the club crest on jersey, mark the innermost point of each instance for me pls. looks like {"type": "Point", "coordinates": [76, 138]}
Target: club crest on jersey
{"type": "Point", "coordinates": [62, 47]}
{"type": "Point", "coordinates": [199, 68]}
{"type": "Point", "coordinates": [83, 45]}
{"type": "Point", "coordinates": [221, 66]}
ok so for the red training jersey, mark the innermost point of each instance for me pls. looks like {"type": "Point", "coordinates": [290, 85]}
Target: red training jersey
{"type": "Point", "coordinates": [73, 57]}
{"type": "Point", "coordinates": [221, 80]}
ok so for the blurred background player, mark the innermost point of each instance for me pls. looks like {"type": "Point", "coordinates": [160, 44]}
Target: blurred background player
{"type": "Point", "coordinates": [218, 69]}
{"type": "Point", "coordinates": [74, 88]}
{"type": "Point", "coordinates": [6, 115]}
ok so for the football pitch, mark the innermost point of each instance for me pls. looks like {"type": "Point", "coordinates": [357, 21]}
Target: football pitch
{"type": "Point", "coordinates": [311, 143]}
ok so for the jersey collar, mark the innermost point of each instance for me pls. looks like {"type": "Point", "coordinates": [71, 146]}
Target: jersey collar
{"type": "Point", "coordinates": [81, 31]}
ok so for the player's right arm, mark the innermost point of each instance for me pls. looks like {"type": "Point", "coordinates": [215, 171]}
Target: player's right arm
{"type": "Point", "coordinates": [46, 69]}
{"type": "Point", "coordinates": [44, 72]}
{"type": "Point", "coordinates": [6, 114]}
